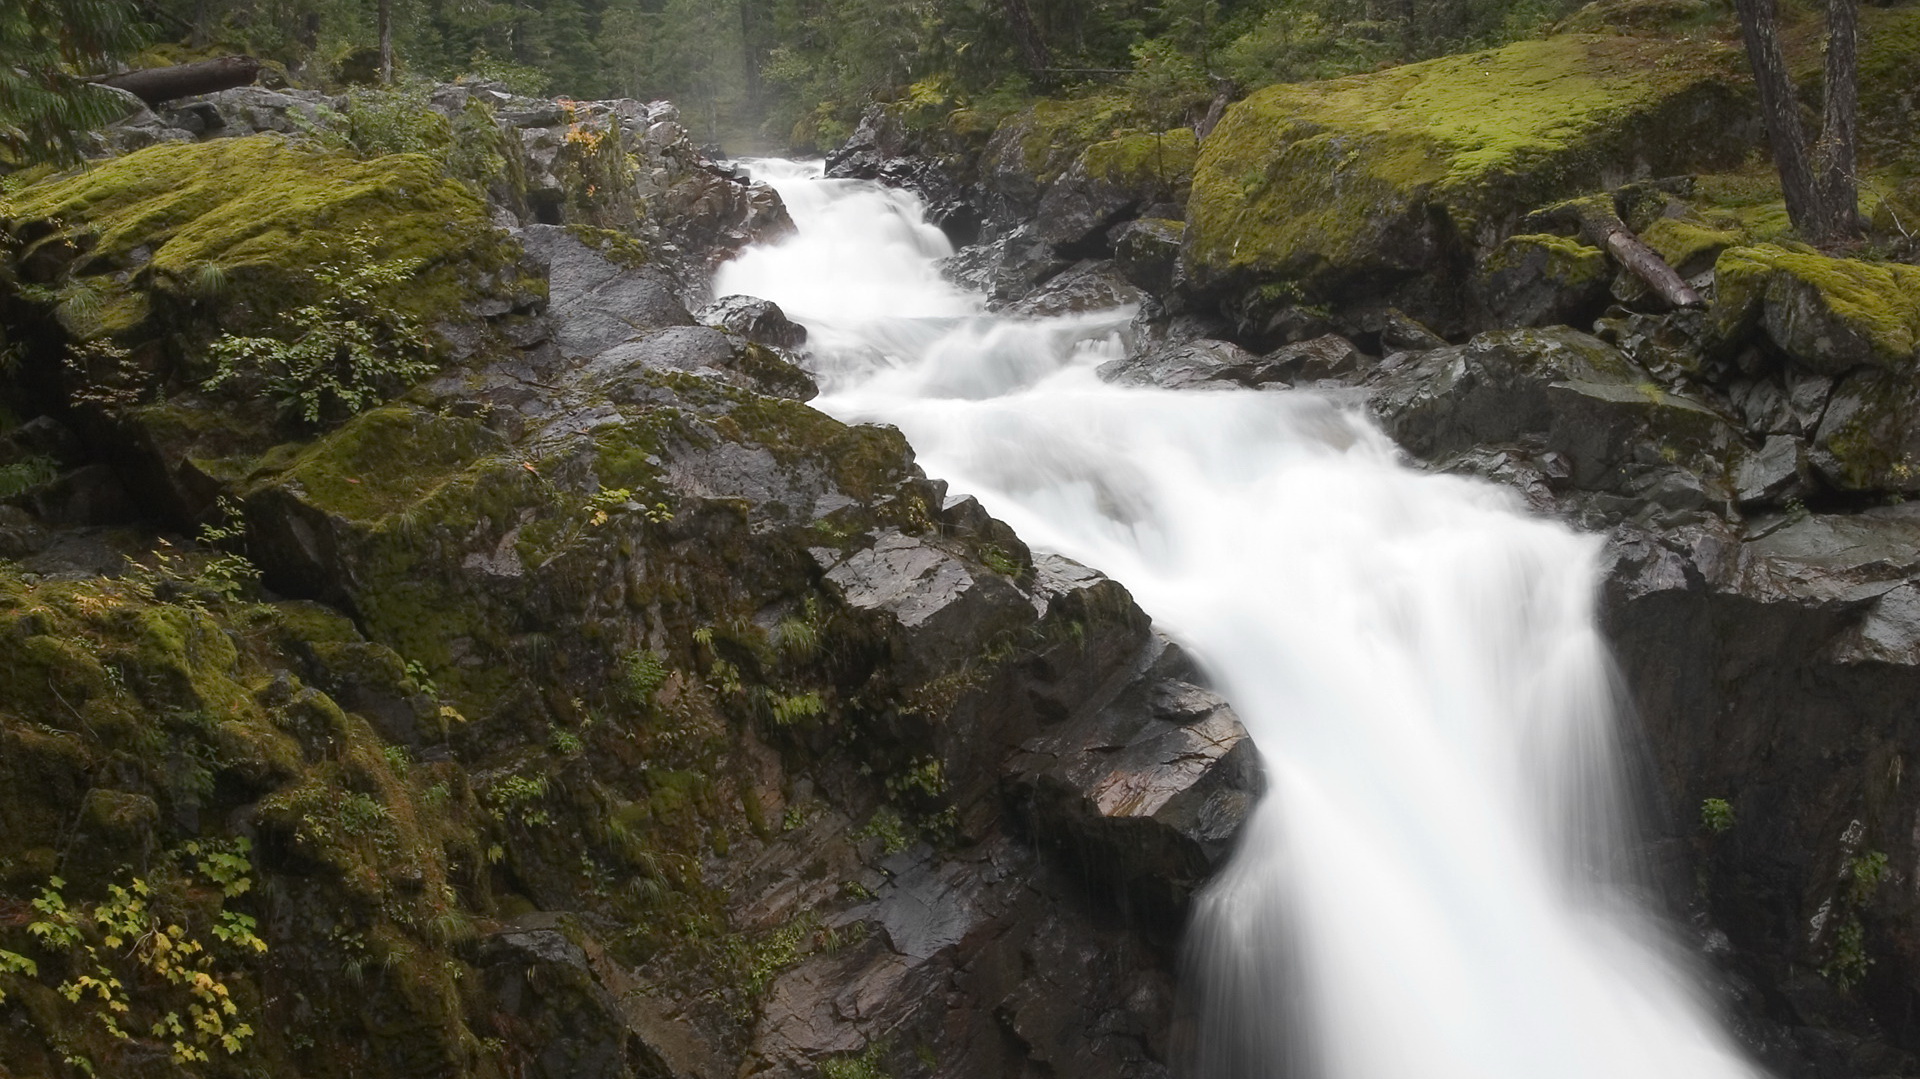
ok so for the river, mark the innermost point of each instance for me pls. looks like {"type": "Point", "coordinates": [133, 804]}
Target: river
{"type": "Point", "coordinates": [1441, 882]}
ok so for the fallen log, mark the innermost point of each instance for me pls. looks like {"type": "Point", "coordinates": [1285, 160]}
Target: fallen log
{"type": "Point", "coordinates": [1600, 225]}
{"type": "Point", "coordinates": [158, 84]}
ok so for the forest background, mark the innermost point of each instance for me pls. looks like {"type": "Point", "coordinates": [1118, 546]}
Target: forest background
{"type": "Point", "coordinates": [777, 75]}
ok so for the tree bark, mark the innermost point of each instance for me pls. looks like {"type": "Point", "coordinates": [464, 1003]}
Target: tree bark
{"type": "Point", "coordinates": [1601, 226]}
{"type": "Point", "coordinates": [386, 42]}
{"type": "Point", "coordinates": [1836, 154]}
{"type": "Point", "coordinates": [1817, 181]}
{"type": "Point", "coordinates": [157, 84]}
{"type": "Point", "coordinates": [1020, 17]}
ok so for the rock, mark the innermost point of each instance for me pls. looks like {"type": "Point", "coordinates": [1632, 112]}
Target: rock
{"type": "Point", "coordinates": [1617, 430]}
{"type": "Point", "coordinates": [1197, 364]}
{"type": "Point", "coordinates": [1543, 280]}
{"type": "Point", "coordinates": [1329, 356]}
{"type": "Point", "coordinates": [1008, 268]}
{"type": "Point", "coordinates": [1084, 288]}
{"type": "Point", "coordinates": [1401, 332]}
{"type": "Point", "coordinates": [1147, 794]}
{"type": "Point", "coordinates": [1826, 315]}
{"type": "Point", "coordinates": [759, 321]}
{"type": "Point", "coordinates": [1364, 186]}
{"type": "Point", "coordinates": [1868, 434]}
{"type": "Point", "coordinates": [1147, 253]}
{"type": "Point", "coordinates": [1112, 180]}
{"type": "Point", "coordinates": [942, 607]}
{"type": "Point", "coordinates": [567, 1023]}
{"type": "Point", "coordinates": [600, 302]}
{"type": "Point", "coordinates": [252, 110]}
{"type": "Point", "coordinates": [1776, 472]}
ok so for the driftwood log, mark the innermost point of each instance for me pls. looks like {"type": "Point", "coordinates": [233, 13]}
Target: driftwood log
{"type": "Point", "coordinates": [1599, 224]}
{"type": "Point", "coordinates": [157, 84]}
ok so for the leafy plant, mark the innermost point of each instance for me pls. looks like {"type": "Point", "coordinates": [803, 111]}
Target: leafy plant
{"type": "Point", "coordinates": [1716, 815]}
{"type": "Point", "coordinates": [25, 474]}
{"type": "Point", "coordinates": [340, 354]}
{"type": "Point", "coordinates": [641, 674]}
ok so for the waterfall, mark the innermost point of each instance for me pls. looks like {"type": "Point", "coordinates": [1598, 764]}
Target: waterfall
{"type": "Point", "coordinates": [1440, 882]}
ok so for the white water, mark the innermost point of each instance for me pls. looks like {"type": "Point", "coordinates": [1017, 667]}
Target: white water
{"type": "Point", "coordinates": [1433, 887]}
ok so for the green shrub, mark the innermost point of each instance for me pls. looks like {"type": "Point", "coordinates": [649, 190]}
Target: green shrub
{"type": "Point", "coordinates": [341, 354]}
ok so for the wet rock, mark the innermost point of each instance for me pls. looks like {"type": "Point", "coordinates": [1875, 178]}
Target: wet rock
{"type": "Point", "coordinates": [597, 302]}
{"type": "Point", "coordinates": [1008, 268]}
{"type": "Point", "coordinates": [942, 606]}
{"type": "Point", "coordinates": [1148, 793]}
{"type": "Point", "coordinates": [757, 320]}
{"type": "Point", "coordinates": [1827, 315]}
{"type": "Point", "coordinates": [565, 1020]}
{"type": "Point", "coordinates": [1110, 181]}
{"type": "Point", "coordinates": [1615, 427]}
{"type": "Point", "coordinates": [1777, 471]}
{"type": "Point", "coordinates": [1196, 364]}
{"type": "Point", "coordinates": [1147, 253]}
{"type": "Point", "coordinates": [1086, 287]}
{"type": "Point", "coordinates": [1543, 280]}
{"type": "Point", "coordinates": [1329, 356]}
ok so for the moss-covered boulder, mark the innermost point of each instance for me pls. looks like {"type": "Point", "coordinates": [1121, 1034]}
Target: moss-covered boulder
{"type": "Point", "coordinates": [237, 225]}
{"type": "Point", "coordinates": [1541, 279]}
{"type": "Point", "coordinates": [1115, 179]}
{"type": "Point", "coordinates": [1826, 315]}
{"type": "Point", "coordinates": [1356, 185]}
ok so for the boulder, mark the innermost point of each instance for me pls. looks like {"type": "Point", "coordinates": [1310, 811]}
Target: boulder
{"type": "Point", "coordinates": [1617, 430]}
{"type": "Point", "coordinates": [1147, 253]}
{"type": "Point", "coordinates": [1086, 287]}
{"type": "Point", "coordinates": [759, 321]}
{"type": "Point", "coordinates": [1364, 185]}
{"type": "Point", "coordinates": [1192, 364]}
{"type": "Point", "coordinates": [1112, 180]}
{"type": "Point", "coordinates": [1540, 279]}
{"type": "Point", "coordinates": [1826, 315]}
{"type": "Point", "coordinates": [1146, 794]}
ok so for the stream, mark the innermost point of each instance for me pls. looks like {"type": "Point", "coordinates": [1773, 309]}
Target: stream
{"type": "Point", "coordinates": [1441, 882]}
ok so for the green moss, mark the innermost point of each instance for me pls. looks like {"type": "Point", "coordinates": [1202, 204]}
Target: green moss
{"type": "Point", "coordinates": [1689, 246]}
{"type": "Point", "coordinates": [1567, 260]}
{"type": "Point", "coordinates": [1162, 157]}
{"type": "Point", "coordinates": [388, 460]}
{"type": "Point", "coordinates": [1889, 108]}
{"type": "Point", "coordinates": [1828, 313]}
{"type": "Point", "coordinates": [1328, 181]}
{"type": "Point", "coordinates": [262, 208]}
{"type": "Point", "coordinates": [1053, 132]}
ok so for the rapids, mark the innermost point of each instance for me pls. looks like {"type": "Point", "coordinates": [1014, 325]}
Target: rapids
{"type": "Point", "coordinates": [1440, 883]}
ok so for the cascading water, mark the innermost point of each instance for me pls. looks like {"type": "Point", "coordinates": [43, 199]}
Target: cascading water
{"type": "Point", "coordinates": [1433, 887]}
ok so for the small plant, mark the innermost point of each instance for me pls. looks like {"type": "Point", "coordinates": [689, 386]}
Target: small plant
{"type": "Point", "coordinates": [340, 354]}
{"type": "Point", "coordinates": [1716, 815]}
{"type": "Point", "coordinates": [867, 1064]}
{"type": "Point", "coordinates": [362, 814]}
{"type": "Point", "coordinates": [997, 560]}
{"type": "Point", "coordinates": [25, 474]}
{"type": "Point", "coordinates": [398, 759]}
{"type": "Point", "coordinates": [1864, 873]}
{"type": "Point", "coordinates": [515, 798]}
{"type": "Point", "coordinates": [797, 708]}
{"type": "Point", "coordinates": [641, 674]}
{"type": "Point", "coordinates": [1847, 964]}
{"type": "Point", "coordinates": [564, 742]}
{"type": "Point", "coordinates": [888, 828]}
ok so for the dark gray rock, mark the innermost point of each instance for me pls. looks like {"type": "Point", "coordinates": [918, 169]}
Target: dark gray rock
{"type": "Point", "coordinates": [757, 320]}
{"type": "Point", "coordinates": [940, 605]}
{"type": "Point", "coordinates": [1196, 364]}
{"type": "Point", "coordinates": [1329, 356]}
{"type": "Point", "coordinates": [1147, 253]}
{"type": "Point", "coordinates": [598, 303]}
{"type": "Point", "coordinates": [1008, 268]}
{"type": "Point", "coordinates": [1086, 287]}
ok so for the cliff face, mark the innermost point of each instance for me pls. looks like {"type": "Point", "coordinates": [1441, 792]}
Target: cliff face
{"type": "Point", "coordinates": [547, 689]}
{"type": "Point", "coordinates": [1391, 236]}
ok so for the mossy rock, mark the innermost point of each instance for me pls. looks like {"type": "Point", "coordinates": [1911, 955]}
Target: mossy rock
{"type": "Point", "coordinates": [1375, 178]}
{"type": "Point", "coordinates": [1653, 18]}
{"type": "Point", "coordinates": [1690, 246]}
{"type": "Point", "coordinates": [259, 210]}
{"type": "Point", "coordinates": [1828, 315]}
{"type": "Point", "coordinates": [1541, 279]}
{"type": "Point", "coordinates": [1161, 159]}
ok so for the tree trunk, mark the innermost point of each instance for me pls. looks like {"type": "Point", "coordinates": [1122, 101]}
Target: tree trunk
{"type": "Point", "coordinates": [1600, 225]}
{"type": "Point", "coordinates": [750, 56]}
{"type": "Point", "coordinates": [1822, 204]}
{"type": "Point", "coordinates": [386, 42]}
{"type": "Point", "coordinates": [1835, 155]}
{"type": "Point", "coordinates": [1020, 17]}
{"type": "Point", "coordinates": [157, 84]}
